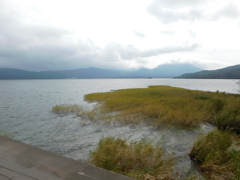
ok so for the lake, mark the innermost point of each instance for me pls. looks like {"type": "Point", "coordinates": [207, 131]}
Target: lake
{"type": "Point", "coordinates": [25, 113]}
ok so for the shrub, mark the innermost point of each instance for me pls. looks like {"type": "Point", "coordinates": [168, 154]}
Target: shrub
{"type": "Point", "coordinates": [218, 105]}
{"type": "Point", "coordinates": [215, 158]}
{"type": "Point", "coordinates": [135, 159]}
{"type": "Point", "coordinates": [229, 118]}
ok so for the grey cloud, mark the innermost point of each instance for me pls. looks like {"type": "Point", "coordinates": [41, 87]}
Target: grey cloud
{"type": "Point", "coordinates": [170, 33]}
{"type": "Point", "coordinates": [45, 56]}
{"type": "Point", "coordinates": [16, 28]}
{"type": "Point", "coordinates": [169, 11]}
{"type": "Point", "coordinates": [34, 46]}
{"type": "Point", "coordinates": [229, 11]}
{"type": "Point", "coordinates": [36, 58]}
{"type": "Point", "coordinates": [130, 52]}
{"type": "Point", "coordinates": [139, 34]}
{"type": "Point", "coordinates": [193, 34]}
{"type": "Point", "coordinates": [47, 33]}
{"type": "Point", "coordinates": [176, 3]}
{"type": "Point", "coordinates": [172, 49]}
{"type": "Point", "coordinates": [169, 16]}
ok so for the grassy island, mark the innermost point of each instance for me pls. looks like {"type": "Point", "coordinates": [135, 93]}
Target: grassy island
{"type": "Point", "coordinates": [171, 106]}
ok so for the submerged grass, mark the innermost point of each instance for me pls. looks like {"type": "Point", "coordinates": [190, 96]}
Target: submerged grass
{"type": "Point", "coordinates": [141, 160]}
{"type": "Point", "coordinates": [217, 155]}
{"type": "Point", "coordinates": [64, 108]}
{"type": "Point", "coordinates": [90, 114]}
{"type": "Point", "coordinates": [172, 106]}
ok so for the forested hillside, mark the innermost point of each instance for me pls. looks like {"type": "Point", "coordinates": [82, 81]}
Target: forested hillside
{"type": "Point", "coordinates": [231, 72]}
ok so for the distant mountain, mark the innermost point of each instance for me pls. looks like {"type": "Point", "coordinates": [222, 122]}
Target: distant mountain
{"type": "Point", "coordinates": [168, 70]}
{"type": "Point", "coordinates": [231, 72]}
{"type": "Point", "coordinates": [162, 71]}
{"type": "Point", "coordinates": [8, 73]}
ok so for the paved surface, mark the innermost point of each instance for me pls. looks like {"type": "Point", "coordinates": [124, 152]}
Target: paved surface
{"type": "Point", "coordinates": [19, 161]}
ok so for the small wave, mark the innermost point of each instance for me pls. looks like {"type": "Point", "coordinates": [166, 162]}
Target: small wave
{"type": "Point", "coordinates": [6, 107]}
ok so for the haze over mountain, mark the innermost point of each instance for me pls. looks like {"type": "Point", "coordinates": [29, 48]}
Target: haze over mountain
{"type": "Point", "coordinates": [231, 72]}
{"type": "Point", "coordinates": [162, 71]}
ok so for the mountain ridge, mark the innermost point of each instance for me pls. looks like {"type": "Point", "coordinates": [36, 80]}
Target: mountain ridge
{"type": "Point", "coordinates": [230, 72]}
{"type": "Point", "coordinates": [162, 71]}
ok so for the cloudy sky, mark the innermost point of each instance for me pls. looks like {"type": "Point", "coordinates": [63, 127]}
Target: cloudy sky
{"type": "Point", "coordinates": [118, 34]}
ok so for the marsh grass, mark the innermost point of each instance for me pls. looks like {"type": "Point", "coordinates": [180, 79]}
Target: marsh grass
{"type": "Point", "coordinates": [216, 159]}
{"type": "Point", "coordinates": [78, 110]}
{"type": "Point", "coordinates": [6, 134]}
{"type": "Point", "coordinates": [229, 118]}
{"type": "Point", "coordinates": [171, 106]}
{"type": "Point", "coordinates": [64, 109]}
{"type": "Point", "coordinates": [97, 114]}
{"type": "Point", "coordinates": [138, 159]}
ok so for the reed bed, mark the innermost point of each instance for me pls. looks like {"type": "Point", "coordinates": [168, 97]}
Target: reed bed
{"type": "Point", "coordinates": [138, 159]}
{"type": "Point", "coordinates": [65, 109]}
{"type": "Point", "coordinates": [218, 155]}
{"type": "Point", "coordinates": [171, 106]}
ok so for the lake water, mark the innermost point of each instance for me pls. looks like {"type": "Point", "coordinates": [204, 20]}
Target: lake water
{"type": "Point", "coordinates": [25, 113]}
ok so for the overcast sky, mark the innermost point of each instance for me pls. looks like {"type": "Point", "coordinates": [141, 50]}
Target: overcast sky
{"type": "Point", "coordinates": [118, 34]}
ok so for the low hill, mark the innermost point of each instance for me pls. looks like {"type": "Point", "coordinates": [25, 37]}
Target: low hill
{"type": "Point", "coordinates": [162, 71]}
{"type": "Point", "coordinates": [231, 72]}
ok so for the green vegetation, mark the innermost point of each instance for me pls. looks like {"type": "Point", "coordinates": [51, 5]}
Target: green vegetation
{"type": "Point", "coordinates": [218, 155]}
{"type": "Point", "coordinates": [6, 134]}
{"type": "Point", "coordinates": [171, 106]}
{"type": "Point", "coordinates": [231, 72]}
{"type": "Point", "coordinates": [140, 160]}
{"type": "Point", "coordinates": [229, 117]}
{"type": "Point", "coordinates": [78, 110]}
{"type": "Point", "coordinates": [60, 109]}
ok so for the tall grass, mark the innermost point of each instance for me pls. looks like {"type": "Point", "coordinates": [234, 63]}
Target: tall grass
{"type": "Point", "coordinates": [216, 159]}
{"type": "Point", "coordinates": [229, 117]}
{"type": "Point", "coordinates": [6, 134]}
{"type": "Point", "coordinates": [140, 159]}
{"type": "Point", "coordinates": [90, 114]}
{"type": "Point", "coordinates": [170, 106]}
{"type": "Point", "coordinates": [65, 108]}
